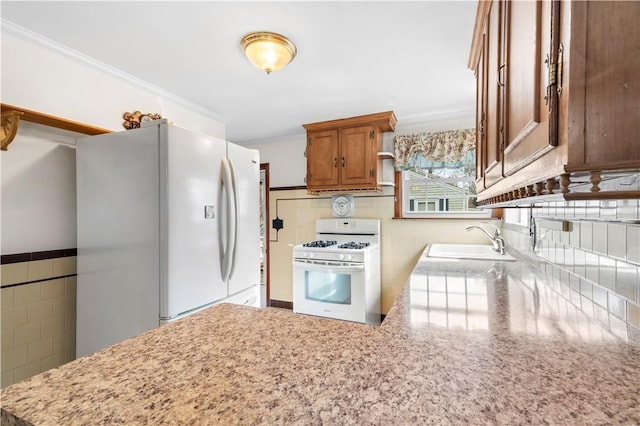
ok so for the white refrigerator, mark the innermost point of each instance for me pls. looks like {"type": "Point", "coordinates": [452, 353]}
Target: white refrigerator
{"type": "Point", "coordinates": [168, 224]}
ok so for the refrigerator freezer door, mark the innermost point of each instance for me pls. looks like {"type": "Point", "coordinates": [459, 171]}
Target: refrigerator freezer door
{"type": "Point", "coordinates": [192, 173]}
{"type": "Point", "coordinates": [246, 164]}
{"type": "Point", "coordinates": [118, 240]}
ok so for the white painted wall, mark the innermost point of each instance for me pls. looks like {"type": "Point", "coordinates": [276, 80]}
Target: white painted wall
{"type": "Point", "coordinates": [287, 163]}
{"type": "Point", "coordinates": [38, 204]}
{"type": "Point", "coordinates": [39, 75]}
{"type": "Point", "coordinates": [44, 77]}
{"type": "Point", "coordinates": [38, 174]}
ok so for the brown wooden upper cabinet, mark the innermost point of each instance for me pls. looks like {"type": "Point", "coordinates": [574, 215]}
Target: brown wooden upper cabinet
{"type": "Point", "coordinates": [342, 155]}
{"type": "Point", "coordinates": [558, 99]}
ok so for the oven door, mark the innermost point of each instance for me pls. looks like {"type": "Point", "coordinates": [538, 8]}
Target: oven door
{"type": "Point", "coordinates": [329, 289]}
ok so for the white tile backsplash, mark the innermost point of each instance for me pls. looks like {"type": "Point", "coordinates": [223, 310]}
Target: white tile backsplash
{"type": "Point", "coordinates": [592, 266]}
{"type": "Point", "coordinates": [607, 272]}
{"type": "Point", "coordinates": [600, 237]}
{"type": "Point", "coordinates": [596, 264]}
{"type": "Point", "coordinates": [616, 240]}
{"type": "Point", "coordinates": [586, 235]}
{"type": "Point", "coordinates": [586, 289]}
{"type": "Point", "coordinates": [617, 306]}
{"type": "Point", "coordinates": [627, 209]}
{"type": "Point", "coordinates": [633, 243]}
{"type": "Point", "coordinates": [569, 258]}
{"type": "Point", "coordinates": [627, 281]}
{"type": "Point", "coordinates": [633, 314]}
{"type": "Point", "coordinates": [608, 210]}
{"type": "Point", "coordinates": [574, 235]}
{"type": "Point", "coordinates": [600, 296]}
{"type": "Point", "coordinates": [593, 209]}
{"type": "Point", "coordinates": [579, 262]}
{"type": "Point", "coordinates": [580, 209]}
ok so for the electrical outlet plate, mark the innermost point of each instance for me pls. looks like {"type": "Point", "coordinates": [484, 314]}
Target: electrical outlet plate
{"type": "Point", "coordinates": [277, 224]}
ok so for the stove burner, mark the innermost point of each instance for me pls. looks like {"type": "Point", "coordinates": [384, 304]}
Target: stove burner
{"type": "Point", "coordinates": [353, 245]}
{"type": "Point", "coordinates": [320, 243]}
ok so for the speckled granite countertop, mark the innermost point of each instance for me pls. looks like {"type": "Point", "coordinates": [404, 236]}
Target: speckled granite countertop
{"type": "Point", "coordinates": [466, 342]}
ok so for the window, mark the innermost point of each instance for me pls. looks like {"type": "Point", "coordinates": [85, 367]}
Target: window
{"type": "Point", "coordinates": [440, 191]}
{"type": "Point", "coordinates": [436, 175]}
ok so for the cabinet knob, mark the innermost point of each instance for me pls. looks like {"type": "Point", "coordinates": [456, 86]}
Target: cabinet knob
{"type": "Point", "coordinates": [343, 161]}
{"type": "Point", "coordinates": [335, 162]}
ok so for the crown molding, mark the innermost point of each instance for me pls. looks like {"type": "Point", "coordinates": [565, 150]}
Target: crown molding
{"type": "Point", "coordinates": [22, 33]}
{"type": "Point", "coordinates": [297, 136]}
{"type": "Point", "coordinates": [436, 116]}
{"type": "Point", "coordinates": [403, 122]}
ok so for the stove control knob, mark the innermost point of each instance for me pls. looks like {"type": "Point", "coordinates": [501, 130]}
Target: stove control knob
{"type": "Point", "coordinates": [341, 257]}
{"type": "Point", "coordinates": [311, 254]}
{"type": "Point", "coordinates": [349, 257]}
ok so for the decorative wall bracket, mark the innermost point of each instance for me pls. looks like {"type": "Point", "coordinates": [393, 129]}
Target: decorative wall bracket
{"type": "Point", "coordinates": [132, 120]}
{"type": "Point", "coordinates": [9, 127]}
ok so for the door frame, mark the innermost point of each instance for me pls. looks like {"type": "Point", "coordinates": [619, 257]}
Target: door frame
{"type": "Point", "coordinates": [265, 225]}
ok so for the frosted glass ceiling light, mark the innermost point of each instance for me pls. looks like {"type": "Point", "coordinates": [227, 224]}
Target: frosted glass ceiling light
{"type": "Point", "coordinates": [268, 51]}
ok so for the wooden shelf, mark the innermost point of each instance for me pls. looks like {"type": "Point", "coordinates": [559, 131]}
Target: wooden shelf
{"type": "Point", "coordinates": [52, 121]}
{"type": "Point", "coordinates": [386, 155]}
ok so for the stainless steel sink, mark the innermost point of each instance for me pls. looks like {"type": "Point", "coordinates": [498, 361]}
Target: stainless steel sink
{"type": "Point", "coordinates": [466, 251]}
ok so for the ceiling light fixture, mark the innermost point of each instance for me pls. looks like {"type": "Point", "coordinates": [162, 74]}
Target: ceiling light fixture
{"type": "Point", "coordinates": [268, 51]}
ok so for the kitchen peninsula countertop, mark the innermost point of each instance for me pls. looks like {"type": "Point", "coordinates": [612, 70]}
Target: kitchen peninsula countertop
{"type": "Point", "coordinates": [465, 342]}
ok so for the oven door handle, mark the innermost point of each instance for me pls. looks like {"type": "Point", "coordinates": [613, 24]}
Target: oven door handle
{"type": "Point", "coordinates": [328, 265]}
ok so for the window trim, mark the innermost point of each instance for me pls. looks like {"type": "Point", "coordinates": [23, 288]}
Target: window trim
{"type": "Point", "coordinates": [398, 210]}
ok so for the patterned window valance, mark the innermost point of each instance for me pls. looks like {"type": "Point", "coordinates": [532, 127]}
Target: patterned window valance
{"type": "Point", "coordinates": [439, 149]}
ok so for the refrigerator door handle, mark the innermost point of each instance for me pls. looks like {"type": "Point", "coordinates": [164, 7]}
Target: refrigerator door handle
{"type": "Point", "coordinates": [227, 247]}
{"type": "Point", "coordinates": [234, 185]}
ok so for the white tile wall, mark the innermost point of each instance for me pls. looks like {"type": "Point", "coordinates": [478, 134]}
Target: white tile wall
{"type": "Point", "coordinates": [633, 243]}
{"type": "Point", "coordinates": [599, 257]}
{"type": "Point", "coordinates": [402, 240]}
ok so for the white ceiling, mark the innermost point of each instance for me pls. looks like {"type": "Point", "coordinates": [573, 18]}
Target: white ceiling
{"type": "Point", "coordinates": [354, 58]}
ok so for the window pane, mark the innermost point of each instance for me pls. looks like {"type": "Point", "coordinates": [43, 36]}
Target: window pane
{"type": "Point", "coordinates": [441, 188]}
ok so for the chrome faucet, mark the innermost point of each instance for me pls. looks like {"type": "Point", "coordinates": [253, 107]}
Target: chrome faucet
{"type": "Point", "coordinates": [496, 239]}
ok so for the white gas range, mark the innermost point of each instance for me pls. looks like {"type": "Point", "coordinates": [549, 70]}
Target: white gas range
{"type": "Point", "coordinates": [338, 274]}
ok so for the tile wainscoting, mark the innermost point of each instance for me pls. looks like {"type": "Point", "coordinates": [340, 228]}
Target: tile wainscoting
{"type": "Point", "coordinates": [590, 252]}
{"type": "Point", "coordinates": [38, 314]}
{"type": "Point", "coordinates": [402, 240]}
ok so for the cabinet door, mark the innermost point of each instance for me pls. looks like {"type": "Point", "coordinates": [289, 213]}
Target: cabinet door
{"type": "Point", "coordinates": [358, 156]}
{"type": "Point", "coordinates": [528, 27]}
{"type": "Point", "coordinates": [609, 33]}
{"type": "Point", "coordinates": [322, 159]}
{"type": "Point", "coordinates": [494, 110]}
{"type": "Point", "coordinates": [481, 117]}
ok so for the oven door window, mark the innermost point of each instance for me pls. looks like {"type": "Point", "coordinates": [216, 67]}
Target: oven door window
{"type": "Point", "coordinates": [328, 287]}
